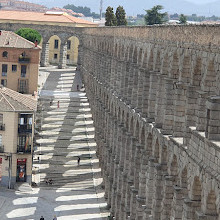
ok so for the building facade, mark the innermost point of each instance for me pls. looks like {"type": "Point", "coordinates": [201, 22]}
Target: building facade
{"type": "Point", "coordinates": [19, 63]}
{"type": "Point", "coordinates": [17, 114]}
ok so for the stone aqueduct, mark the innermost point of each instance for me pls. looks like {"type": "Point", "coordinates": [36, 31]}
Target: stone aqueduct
{"type": "Point", "coordinates": [155, 98]}
{"type": "Point", "coordinates": [154, 94]}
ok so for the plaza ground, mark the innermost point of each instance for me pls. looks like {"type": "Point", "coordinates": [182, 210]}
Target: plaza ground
{"type": "Point", "coordinates": [66, 133]}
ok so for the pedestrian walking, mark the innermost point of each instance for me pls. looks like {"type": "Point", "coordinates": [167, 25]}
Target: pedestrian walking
{"type": "Point", "coordinates": [58, 104]}
{"type": "Point", "coordinates": [54, 218]}
{"type": "Point", "coordinates": [78, 161]}
{"type": "Point", "coordinates": [77, 87]}
{"type": "Point", "coordinates": [41, 218]}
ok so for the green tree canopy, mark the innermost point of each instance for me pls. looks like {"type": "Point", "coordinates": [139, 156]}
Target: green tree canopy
{"type": "Point", "coordinates": [183, 19]}
{"type": "Point", "coordinates": [120, 16]}
{"type": "Point", "coordinates": [153, 16]}
{"type": "Point", "coordinates": [110, 19]}
{"type": "Point", "coordinates": [29, 34]}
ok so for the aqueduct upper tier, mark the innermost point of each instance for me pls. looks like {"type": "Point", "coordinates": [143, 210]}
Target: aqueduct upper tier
{"type": "Point", "coordinates": [155, 97]}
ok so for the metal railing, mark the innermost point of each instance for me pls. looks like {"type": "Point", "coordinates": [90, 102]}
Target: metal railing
{"type": "Point", "coordinates": [23, 149]}
{"type": "Point", "coordinates": [25, 128]}
{"type": "Point", "coordinates": [24, 60]}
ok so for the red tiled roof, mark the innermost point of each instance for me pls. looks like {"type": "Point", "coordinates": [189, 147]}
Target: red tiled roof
{"type": "Point", "coordinates": [11, 100]}
{"type": "Point", "coordinates": [42, 17]}
{"type": "Point", "coordinates": [10, 39]}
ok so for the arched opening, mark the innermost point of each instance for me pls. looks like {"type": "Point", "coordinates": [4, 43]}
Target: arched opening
{"type": "Point", "coordinates": [151, 60]}
{"type": "Point", "coordinates": [184, 182]}
{"type": "Point", "coordinates": [186, 68]}
{"type": "Point", "coordinates": [157, 151]}
{"type": "Point", "coordinates": [137, 130]}
{"type": "Point", "coordinates": [208, 83]}
{"type": "Point", "coordinates": [140, 56]}
{"type": "Point", "coordinates": [174, 169]}
{"type": "Point", "coordinates": [131, 126]}
{"type": "Point", "coordinates": [174, 73]}
{"type": "Point", "coordinates": [135, 58]}
{"type": "Point", "coordinates": [196, 195]}
{"type": "Point", "coordinates": [165, 65]}
{"type": "Point", "coordinates": [196, 78]}
{"type": "Point", "coordinates": [158, 62]}
{"type": "Point", "coordinates": [148, 145]}
{"type": "Point", "coordinates": [54, 50]}
{"type": "Point", "coordinates": [163, 157]}
{"type": "Point", "coordinates": [72, 51]}
{"type": "Point", "coordinates": [211, 208]}
{"type": "Point", "coordinates": [142, 136]}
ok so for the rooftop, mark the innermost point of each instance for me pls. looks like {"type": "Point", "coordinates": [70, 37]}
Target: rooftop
{"type": "Point", "coordinates": [10, 39]}
{"type": "Point", "coordinates": [41, 17]}
{"type": "Point", "coordinates": [12, 101]}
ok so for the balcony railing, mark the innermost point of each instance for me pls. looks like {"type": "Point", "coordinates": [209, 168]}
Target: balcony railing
{"type": "Point", "coordinates": [1, 148]}
{"type": "Point", "coordinates": [24, 60]}
{"type": "Point", "coordinates": [23, 149]}
{"type": "Point", "coordinates": [26, 128]}
{"type": "Point", "coordinates": [2, 127]}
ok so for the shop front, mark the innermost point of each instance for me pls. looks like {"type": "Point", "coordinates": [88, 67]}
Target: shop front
{"type": "Point", "coordinates": [21, 170]}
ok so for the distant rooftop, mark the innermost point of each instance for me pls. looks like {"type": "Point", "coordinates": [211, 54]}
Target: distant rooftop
{"type": "Point", "coordinates": [11, 100]}
{"type": "Point", "coordinates": [41, 17]}
{"type": "Point", "coordinates": [10, 39]}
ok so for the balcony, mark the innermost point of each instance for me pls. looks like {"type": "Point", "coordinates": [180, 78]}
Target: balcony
{"type": "Point", "coordinates": [2, 127]}
{"type": "Point", "coordinates": [1, 148]}
{"type": "Point", "coordinates": [23, 149]}
{"type": "Point", "coordinates": [26, 128]}
{"type": "Point", "coordinates": [24, 60]}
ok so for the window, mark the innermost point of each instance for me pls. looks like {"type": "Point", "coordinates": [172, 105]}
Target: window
{"type": "Point", "coordinates": [56, 44]}
{"type": "Point", "coordinates": [23, 70]}
{"type": "Point", "coordinates": [68, 57]}
{"type": "Point", "coordinates": [4, 82]}
{"type": "Point", "coordinates": [14, 68]}
{"type": "Point", "coordinates": [68, 44]}
{"type": "Point", "coordinates": [4, 69]}
{"type": "Point", "coordinates": [55, 56]}
{"type": "Point", "coordinates": [23, 86]}
{"type": "Point", "coordinates": [5, 54]}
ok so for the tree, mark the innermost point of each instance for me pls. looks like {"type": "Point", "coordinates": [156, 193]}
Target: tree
{"type": "Point", "coordinates": [182, 19]}
{"type": "Point", "coordinates": [153, 16]}
{"type": "Point", "coordinates": [110, 19]}
{"type": "Point", "coordinates": [120, 16]}
{"type": "Point", "coordinates": [29, 34]}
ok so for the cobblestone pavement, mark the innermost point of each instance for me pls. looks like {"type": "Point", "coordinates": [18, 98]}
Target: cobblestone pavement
{"type": "Point", "coordinates": [66, 133]}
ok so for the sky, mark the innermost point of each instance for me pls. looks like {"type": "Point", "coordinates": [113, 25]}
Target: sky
{"type": "Point", "coordinates": [133, 7]}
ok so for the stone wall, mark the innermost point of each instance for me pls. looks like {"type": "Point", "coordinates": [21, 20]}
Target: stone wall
{"type": "Point", "coordinates": [155, 98]}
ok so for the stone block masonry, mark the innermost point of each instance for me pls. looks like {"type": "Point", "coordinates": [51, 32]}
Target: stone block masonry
{"type": "Point", "coordinates": [155, 98]}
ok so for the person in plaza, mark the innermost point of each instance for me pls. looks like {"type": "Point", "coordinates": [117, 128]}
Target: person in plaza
{"type": "Point", "coordinates": [54, 218]}
{"type": "Point", "coordinates": [77, 87]}
{"type": "Point", "coordinates": [41, 218]}
{"type": "Point", "coordinates": [58, 104]}
{"type": "Point", "coordinates": [78, 161]}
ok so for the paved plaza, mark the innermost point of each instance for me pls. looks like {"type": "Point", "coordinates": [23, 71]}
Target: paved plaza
{"type": "Point", "coordinates": [66, 133]}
